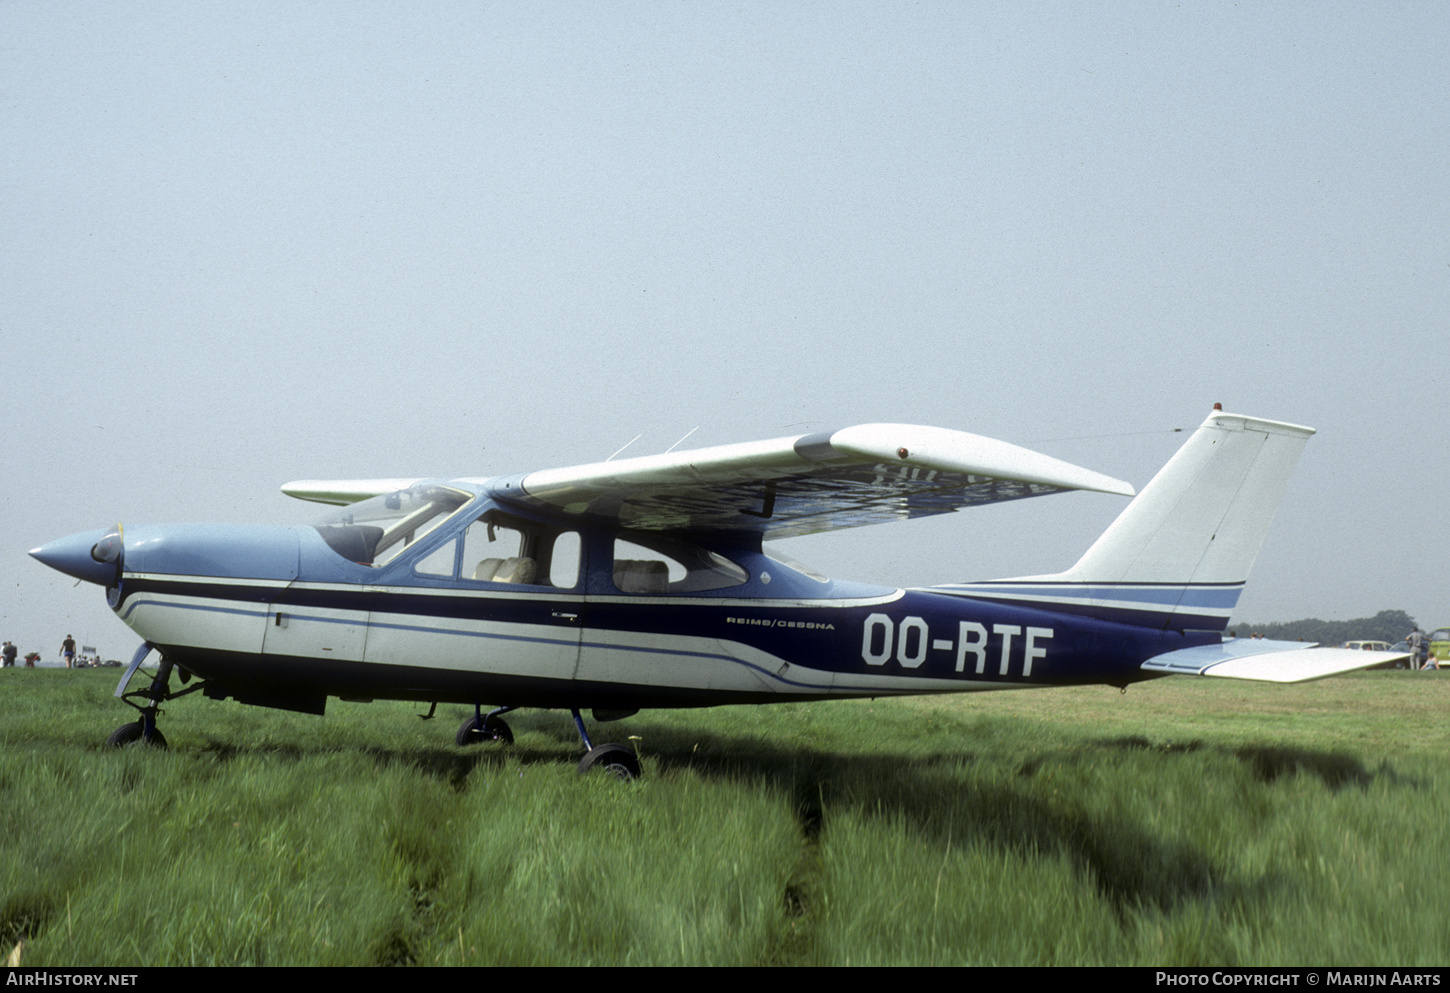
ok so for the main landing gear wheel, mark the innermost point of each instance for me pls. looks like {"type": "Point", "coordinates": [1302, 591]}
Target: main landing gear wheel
{"type": "Point", "coordinates": [130, 734]}
{"type": "Point", "coordinates": [617, 760]}
{"type": "Point", "coordinates": [475, 731]}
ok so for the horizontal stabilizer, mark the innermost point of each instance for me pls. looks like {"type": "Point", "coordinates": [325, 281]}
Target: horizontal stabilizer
{"type": "Point", "coordinates": [1265, 660]}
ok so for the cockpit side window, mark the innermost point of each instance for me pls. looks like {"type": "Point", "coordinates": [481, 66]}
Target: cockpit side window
{"type": "Point", "coordinates": [501, 548]}
{"type": "Point", "coordinates": [441, 562]}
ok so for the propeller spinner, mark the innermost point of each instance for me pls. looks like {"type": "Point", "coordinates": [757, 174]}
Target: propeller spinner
{"type": "Point", "coordinates": [95, 556]}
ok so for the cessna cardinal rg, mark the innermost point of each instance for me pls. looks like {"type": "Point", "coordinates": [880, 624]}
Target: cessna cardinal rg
{"type": "Point", "coordinates": [645, 583]}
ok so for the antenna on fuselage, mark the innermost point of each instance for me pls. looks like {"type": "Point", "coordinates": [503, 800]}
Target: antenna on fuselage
{"type": "Point", "coordinates": [626, 445]}
{"type": "Point", "coordinates": [677, 444]}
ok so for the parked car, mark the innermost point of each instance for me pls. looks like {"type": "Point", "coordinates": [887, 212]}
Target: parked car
{"type": "Point", "coordinates": [1381, 646]}
{"type": "Point", "coordinates": [1440, 645]}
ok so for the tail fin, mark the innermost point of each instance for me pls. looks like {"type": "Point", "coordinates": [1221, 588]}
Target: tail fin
{"type": "Point", "coordinates": [1203, 517]}
{"type": "Point", "coordinates": [1178, 556]}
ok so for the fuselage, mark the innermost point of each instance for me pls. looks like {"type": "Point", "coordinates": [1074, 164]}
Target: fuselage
{"type": "Point", "coordinates": [501, 605]}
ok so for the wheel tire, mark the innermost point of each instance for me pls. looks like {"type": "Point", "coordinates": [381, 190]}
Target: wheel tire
{"type": "Point", "coordinates": [130, 734]}
{"type": "Point", "coordinates": [492, 729]}
{"type": "Point", "coordinates": [617, 760]}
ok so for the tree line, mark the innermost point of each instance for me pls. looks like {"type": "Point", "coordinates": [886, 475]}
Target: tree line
{"type": "Point", "coordinates": [1387, 625]}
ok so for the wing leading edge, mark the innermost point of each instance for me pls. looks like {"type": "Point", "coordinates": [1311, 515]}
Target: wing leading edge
{"type": "Point", "coordinates": [783, 487]}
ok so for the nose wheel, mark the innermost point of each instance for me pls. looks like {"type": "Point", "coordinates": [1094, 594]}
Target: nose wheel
{"type": "Point", "coordinates": [130, 734]}
{"type": "Point", "coordinates": [147, 701]}
{"type": "Point", "coordinates": [145, 729]}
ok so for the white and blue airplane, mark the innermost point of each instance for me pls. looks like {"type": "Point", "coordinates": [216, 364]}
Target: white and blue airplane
{"type": "Point", "coordinates": [645, 582]}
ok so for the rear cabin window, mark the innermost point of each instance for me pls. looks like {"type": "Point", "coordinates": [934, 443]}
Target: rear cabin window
{"type": "Point", "coordinates": [657, 564]}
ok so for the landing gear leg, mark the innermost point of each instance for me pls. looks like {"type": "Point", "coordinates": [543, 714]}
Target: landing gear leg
{"type": "Point", "coordinates": [145, 729]}
{"type": "Point", "coordinates": [617, 760]}
{"type": "Point", "coordinates": [480, 727]}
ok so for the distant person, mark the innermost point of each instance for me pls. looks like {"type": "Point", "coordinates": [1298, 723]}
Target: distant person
{"type": "Point", "coordinates": [68, 651]}
{"type": "Point", "coordinates": [8, 653]}
{"type": "Point", "coordinates": [1416, 642]}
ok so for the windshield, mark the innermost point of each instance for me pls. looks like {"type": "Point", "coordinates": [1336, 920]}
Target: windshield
{"type": "Point", "coordinates": [375, 531]}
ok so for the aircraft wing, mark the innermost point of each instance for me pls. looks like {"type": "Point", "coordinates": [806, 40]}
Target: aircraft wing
{"type": "Point", "coordinates": [1265, 660]}
{"type": "Point", "coordinates": [341, 492]}
{"type": "Point", "coordinates": [868, 474]}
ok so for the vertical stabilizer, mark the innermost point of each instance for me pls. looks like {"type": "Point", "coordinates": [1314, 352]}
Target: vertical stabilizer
{"type": "Point", "coordinates": [1179, 554]}
{"type": "Point", "coordinates": [1204, 516]}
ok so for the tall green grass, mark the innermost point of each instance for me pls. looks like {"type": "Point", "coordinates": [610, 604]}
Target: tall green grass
{"type": "Point", "coordinates": [1185, 822]}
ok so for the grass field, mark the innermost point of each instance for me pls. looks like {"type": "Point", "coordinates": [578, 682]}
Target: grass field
{"type": "Point", "coordinates": [1188, 821]}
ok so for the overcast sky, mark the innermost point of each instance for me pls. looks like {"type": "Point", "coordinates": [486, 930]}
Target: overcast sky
{"type": "Point", "coordinates": [251, 242]}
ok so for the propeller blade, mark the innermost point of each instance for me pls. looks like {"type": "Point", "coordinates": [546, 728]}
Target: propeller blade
{"type": "Point", "coordinates": [111, 547]}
